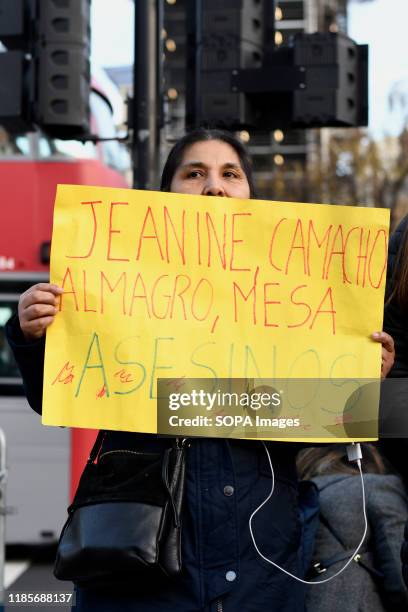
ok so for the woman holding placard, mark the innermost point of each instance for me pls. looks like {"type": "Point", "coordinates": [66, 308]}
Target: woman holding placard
{"type": "Point", "coordinates": [225, 480]}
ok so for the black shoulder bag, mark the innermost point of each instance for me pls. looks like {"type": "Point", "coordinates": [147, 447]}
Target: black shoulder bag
{"type": "Point", "coordinates": [125, 517]}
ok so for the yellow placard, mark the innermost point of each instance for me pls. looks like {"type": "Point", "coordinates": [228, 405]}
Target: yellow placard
{"type": "Point", "coordinates": [163, 285]}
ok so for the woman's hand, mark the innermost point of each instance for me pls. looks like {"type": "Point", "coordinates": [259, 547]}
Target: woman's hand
{"type": "Point", "coordinates": [37, 308]}
{"type": "Point", "coordinates": [387, 353]}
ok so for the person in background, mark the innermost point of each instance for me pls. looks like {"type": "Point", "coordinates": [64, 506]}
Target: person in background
{"type": "Point", "coordinates": [225, 479]}
{"type": "Point", "coordinates": [396, 323]}
{"type": "Point", "coordinates": [373, 581]}
{"type": "Point", "coordinates": [396, 302]}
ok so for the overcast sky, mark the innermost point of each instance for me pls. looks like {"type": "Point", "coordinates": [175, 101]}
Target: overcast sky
{"type": "Point", "coordinates": [383, 25]}
{"type": "Point", "coordinates": [380, 23]}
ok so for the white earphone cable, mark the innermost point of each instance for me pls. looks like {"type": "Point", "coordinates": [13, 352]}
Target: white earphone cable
{"type": "Point", "coordinates": [358, 461]}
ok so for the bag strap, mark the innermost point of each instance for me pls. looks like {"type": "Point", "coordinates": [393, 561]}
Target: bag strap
{"type": "Point", "coordinates": [165, 479]}
{"type": "Point", "coordinates": [322, 566]}
{"type": "Point", "coordinates": [176, 442]}
{"type": "Point", "coordinates": [97, 446]}
{"type": "Point", "coordinates": [375, 573]}
{"type": "Point", "coordinates": [177, 448]}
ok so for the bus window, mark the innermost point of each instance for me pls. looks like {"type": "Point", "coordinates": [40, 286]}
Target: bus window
{"type": "Point", "coordinates": [114, 153]}
{"type": "Point", "coordinates": [23, 145]}
{"type": "Point", "coordinates": [102, 113]}
{"type": "Point", "coordinates": [13, 145]}
{"type": "Point", "coordinates": [9, 372]}
{"type": "Point", "coordinates": [71, 148]}
{"type": "Point", "coordinates": [39, 146]}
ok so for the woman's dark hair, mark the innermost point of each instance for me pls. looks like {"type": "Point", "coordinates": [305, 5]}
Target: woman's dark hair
{"type": "Point", "coordinates": [202, 134]}
{"type": "Point", "coordinates": [332, 459]}
{"type": "Point", "coordinates": [399, 280]}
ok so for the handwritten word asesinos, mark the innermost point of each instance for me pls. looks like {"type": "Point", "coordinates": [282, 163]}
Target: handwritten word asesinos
{"type": "Point", "coordinates": [99, 364]}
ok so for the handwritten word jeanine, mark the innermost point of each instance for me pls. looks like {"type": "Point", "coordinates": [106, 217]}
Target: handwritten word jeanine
{"type": "Point", "coordinates": [202, 238]}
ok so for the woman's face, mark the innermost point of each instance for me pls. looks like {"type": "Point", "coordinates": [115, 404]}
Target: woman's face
{"type": "Point", "coordinates": [212, 168]}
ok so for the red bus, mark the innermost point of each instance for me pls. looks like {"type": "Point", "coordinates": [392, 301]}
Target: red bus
{"type": "Point", "coordinates": [44, 463]}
